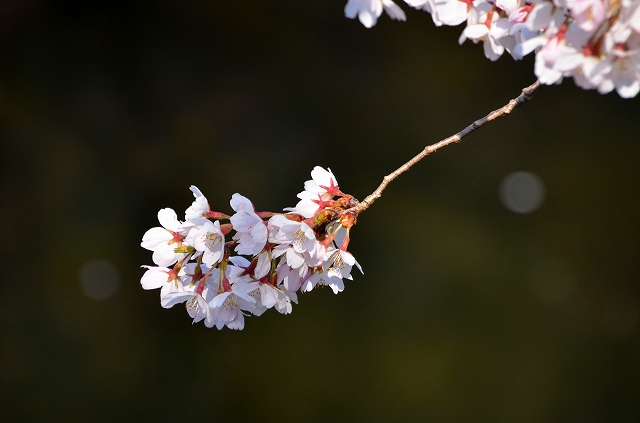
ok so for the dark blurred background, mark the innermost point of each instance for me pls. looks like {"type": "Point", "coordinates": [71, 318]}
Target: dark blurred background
{"type": "Point", "coordinates": [468, 311]}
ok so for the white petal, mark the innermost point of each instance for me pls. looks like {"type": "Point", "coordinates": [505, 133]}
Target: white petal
{"type": "Point", "coordinates": [452, 13]}
{"type": "Point", "coordinates": [218, 300]}
{"type": "Point", "coordinates": [540, 16]}
{"type": "Point", "coordinates": [237, 323]}
{"type": "Point", "coordinates": [268, 295]}
{"type": "Point", "coordinates": [528, 46]}
{"type": "Point", "coordinates": [393, 10]}
{"type": "Point", "coordinates": [239, 202]}
{"type": "Point", "coordinates": [196, 192]}
{"type": "Point", "coordinates": [476, 31]}
{"type": "Point", "coordinates": [154, 277]}
{"type": "Point", "coordinates": [508, 5]}
{"type": "Point", "coordinates": [294, 260]}
{"type": "Point", "coordinates": [174, 298]}
{"type": "Point", "coordinates": [154, 237]}
{"type": "Point", "coordinates": [263, 266]}
{"type": "Point", "coordinates": [628, 88]}
{"type": "Point", "coordinates": [336, 284]}
{"type": "Point", "coordinates": [164, 255]}
{"type": "Point", "coordinates": [169, 219]}
{"type": "Point", "coordinates": [239, 261]}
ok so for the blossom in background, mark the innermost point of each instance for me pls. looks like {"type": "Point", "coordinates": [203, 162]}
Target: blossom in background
{"type": "Point", "coordinates": [484, 24]}
{"type": "Point", "coordinates": [588, 14]}
{"type": "Point", "coordinates": [368, 11]}
{"type": "Point", "coordinates": [593, 41]}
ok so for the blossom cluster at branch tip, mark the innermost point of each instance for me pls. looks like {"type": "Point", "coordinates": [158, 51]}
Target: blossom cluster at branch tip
{"type": "Point", "coordinates": [596, 42]}
{"type": "Point", "coordinates": [268, 259]}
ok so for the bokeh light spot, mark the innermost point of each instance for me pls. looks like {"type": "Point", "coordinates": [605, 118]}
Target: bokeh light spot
{"type": "Point", "coordinates": [522, 192]}
{"type": "Point", "coordinates": [100, 279]}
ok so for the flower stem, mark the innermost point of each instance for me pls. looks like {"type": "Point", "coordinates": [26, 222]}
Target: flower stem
{"type": "Point", "coordinates": [527, 93]}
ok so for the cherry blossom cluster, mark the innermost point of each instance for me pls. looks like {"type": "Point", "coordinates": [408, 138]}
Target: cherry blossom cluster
{"type": "Point", "coordinates": [597, 42]}
{"type": "Point", "coordinates": [276, 254]}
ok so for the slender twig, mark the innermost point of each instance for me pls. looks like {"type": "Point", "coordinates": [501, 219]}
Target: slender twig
{"type": "Point", "coordinates": [527, 93]}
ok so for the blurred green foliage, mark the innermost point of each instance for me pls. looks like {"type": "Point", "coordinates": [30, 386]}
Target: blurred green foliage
{"type": "Point", "coordinates": [467, 312]}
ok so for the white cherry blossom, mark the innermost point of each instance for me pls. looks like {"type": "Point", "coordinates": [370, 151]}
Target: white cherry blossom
{"type": "Point", "coordinates": [251, 231]}
{"type": "Point", "coordinates": [322, 187]}
{"type": "Point", "coordinates": [368, 11]}
{"type": "Point", "coordinates": [620, 71]}
{"type": "Point", "coordinates": [290, 278]}
{"type": "Point", "coordinates": [226, 309]}
{"type": "Point", "coordinates": [200, 206]}
{"type": "Point", "coordinates": [482, 26]}
{"type": "Point", "coordinates": [589, 14]}
{"type": "Point", "coordinates": [196, 301]}
{"type": "Point", "coordinates": [452, 12]}
{"type": "Point", "coordinates": [207, 238]}
{"type": "Point", "coordinates": [275, 259]}
{"type": "Point", "coordinates": [323, 278]}
{"type": "Point", "coordinates": [164, 240]}
{"type": "Point", "coordinates": [298, 241]}
{"type": "Point", "coordinates": [277, 297]}
{"type": "Point", "coordinates": [339, 263]}
{"type": "Point", "coordinates": [161, 277]}
{"type": "Point", "coordinates": [251, 288]}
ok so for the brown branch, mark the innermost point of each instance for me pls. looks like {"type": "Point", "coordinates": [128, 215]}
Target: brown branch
{"type": "Point", "coordinates": [527, 93]}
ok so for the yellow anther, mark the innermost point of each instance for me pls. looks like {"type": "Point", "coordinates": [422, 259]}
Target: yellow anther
{"type": "Point", "coordinates": [230, 303]}
{"type": "Point", "coordinates": [336, 261]}
{"type": "Point", "coordinates": [193, 306]}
